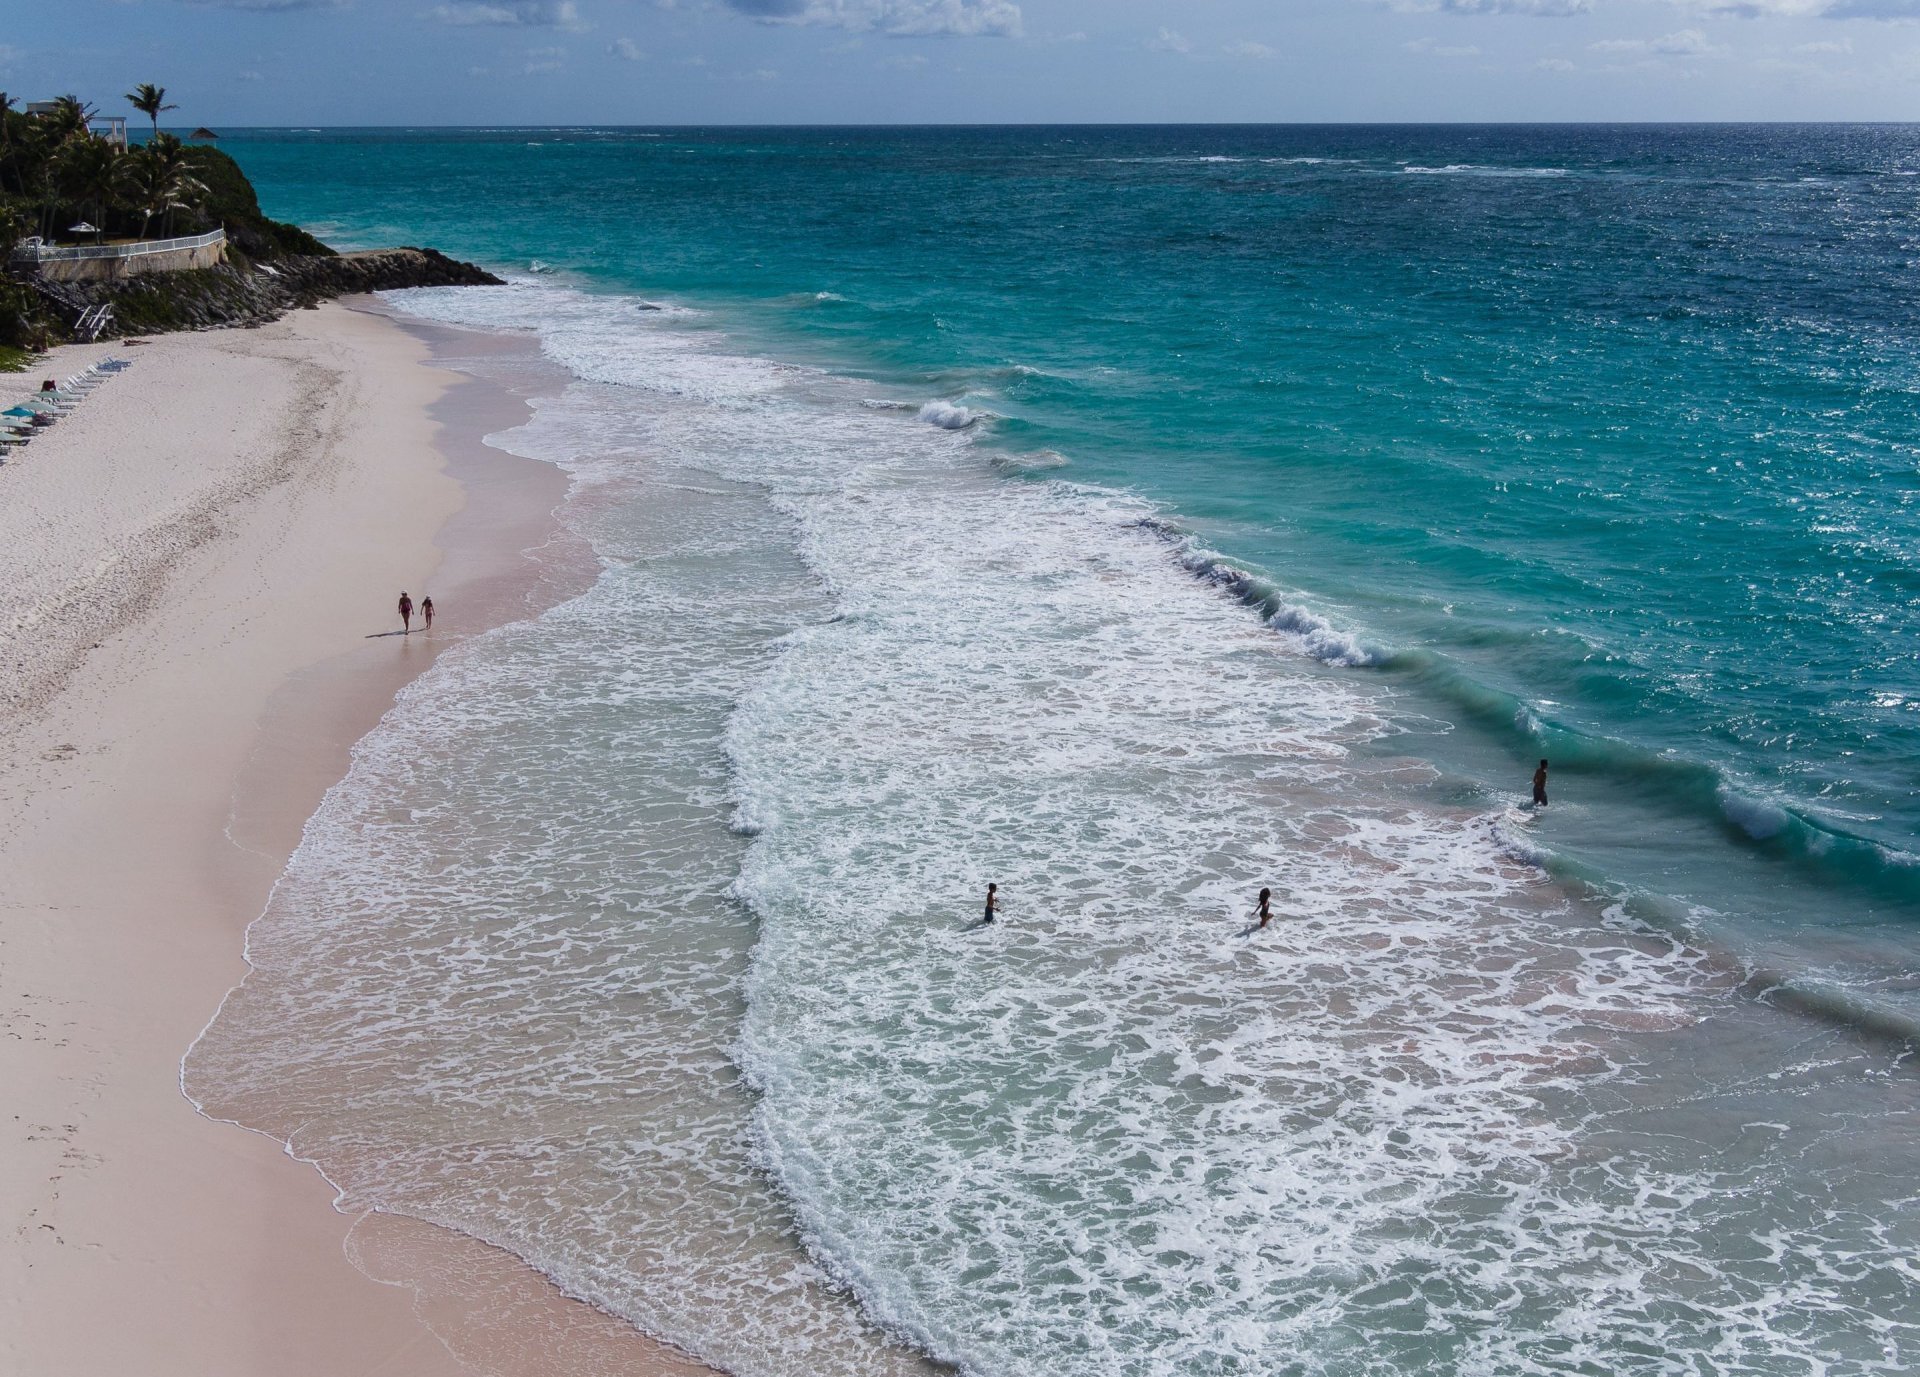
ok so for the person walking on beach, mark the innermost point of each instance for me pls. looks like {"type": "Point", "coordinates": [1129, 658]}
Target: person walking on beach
{"type": "Point", "coordinates": [1540, 786]}
{"type": "Point", "coordinates": [993, 903]}
{"type": "Point", "coordinates": [406, 613]}
{"type": "Point", "coordinates": [426, 612]}
{"type": "Point", "coordinates": [1264, 909]}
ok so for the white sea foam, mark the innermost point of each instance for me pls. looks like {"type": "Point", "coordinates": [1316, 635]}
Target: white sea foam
{"type": "Point", "coordinates": [1478, 170]}
{"type": "Point", "coordinates": [1035, 461]}
{"type": "Point", "coordinates": [1759, 818]}
{"type": "Point", "coordinates": [1402, 1130]}
{"type": "Point", "coordinates": [947, 415]}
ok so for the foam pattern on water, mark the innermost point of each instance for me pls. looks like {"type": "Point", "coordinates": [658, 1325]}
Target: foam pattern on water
{"type": "Point", "coordinates": [1115, 1133]}
{"type": "Point", "coordinates": [495, 988]}
{"type": "Point", "coordinates": [1437, 1118]}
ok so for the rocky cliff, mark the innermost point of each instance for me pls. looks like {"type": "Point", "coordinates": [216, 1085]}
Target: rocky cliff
{"type": "Point", "coordinates": [251, 294]}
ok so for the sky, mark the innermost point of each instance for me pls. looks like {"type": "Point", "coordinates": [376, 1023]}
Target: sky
{"type": "Point", "coordinates": [663, 62]}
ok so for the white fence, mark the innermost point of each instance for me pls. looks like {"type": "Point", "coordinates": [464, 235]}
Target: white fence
{"type": "Point", "coordinates": [34, 251]}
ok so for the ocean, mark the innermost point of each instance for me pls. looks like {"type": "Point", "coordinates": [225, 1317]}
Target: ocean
{"type": "Point", "coordinates": [1137, 518]}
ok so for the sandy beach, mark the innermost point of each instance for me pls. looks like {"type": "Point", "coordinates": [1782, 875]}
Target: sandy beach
{"type": "Point", "coordinates": [197, 577]}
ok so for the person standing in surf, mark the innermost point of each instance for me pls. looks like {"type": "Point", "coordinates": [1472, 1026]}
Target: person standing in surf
{"type": "Point", "coordinates": [993, 904]}
{"type": "Point", "coordinates": [426, 613]}
{"type": "Point", "coordinates": [1264, 909]}
{"type": "Point", "coordinates": [406, 613]}
{"type": "Point", "coordinates": [1540, 786]}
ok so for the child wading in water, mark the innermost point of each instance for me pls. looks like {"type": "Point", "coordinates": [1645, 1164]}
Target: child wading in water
{"type": "Point", "coordinates": [1264, 910]}
{"type": "Point", "coordinates": [426, 612]}
{"type": "Point", "coordinates": [993, 903]}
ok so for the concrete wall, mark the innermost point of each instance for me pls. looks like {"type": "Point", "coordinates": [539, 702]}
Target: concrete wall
{"type": "Point", "coordinates": [113, 269]}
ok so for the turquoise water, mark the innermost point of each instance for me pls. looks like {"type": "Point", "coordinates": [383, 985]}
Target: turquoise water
{"type": "Point", "coordinates": [1165, 512]}
{"type": "Point", "coordinates": [1603, 439]}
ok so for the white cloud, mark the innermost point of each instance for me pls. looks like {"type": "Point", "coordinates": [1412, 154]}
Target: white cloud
{"type": "Point", "coordinates": [627, 50]}
{"type": "Point", "coordinates": [269, 6]}
{"type": "Point", "coordinates": [1555, 64]}
{"type": "Point", "coordinates": [1844, 45]}
{"type": "Point", "coordinates": [1684, 43]}
{"type": "Point", "coordinates": [1807, 9]}
{"type": "Point", "coordinates": [956, 18]}
{"type": "Point", "coordinates": [903, 62]}
{"type": "Point", "coordinates": [1169, 41]}
{"type": "Point", "coordinates": [1435, 48]}
{"type": "Point", "coordinates": [531, 14]}
{"type": "Point", "coordinates": [1537, 9]}
{"type": "Point", "coordinates": [1246, 47]}
{"type": "Point", "coordinates": [544, 60]}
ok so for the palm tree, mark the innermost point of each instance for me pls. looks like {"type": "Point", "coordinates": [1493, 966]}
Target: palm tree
{"type": "Point", "coordinates": [90, 172]}
{"type": "Point", "coordinates": [6, 137]}
{"type": "Point", "coordinates": [159, 179]}
{"type": "Point", "coordinates": [150, 100]}
{"type": "Point", "coordinates": [70, 118]}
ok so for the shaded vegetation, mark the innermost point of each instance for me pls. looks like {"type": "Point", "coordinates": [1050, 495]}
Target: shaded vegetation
{"type": "Point", "coordinates": [56, 173]}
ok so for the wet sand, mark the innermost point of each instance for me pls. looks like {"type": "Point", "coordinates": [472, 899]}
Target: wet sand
{"type": "Point", "coordinates": [197, 575]}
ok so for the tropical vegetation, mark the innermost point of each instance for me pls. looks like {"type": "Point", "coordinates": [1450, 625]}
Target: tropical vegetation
{"type": "Point", "coordinates": [57, 174]}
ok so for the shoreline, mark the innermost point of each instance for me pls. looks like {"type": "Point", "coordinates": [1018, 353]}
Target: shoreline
{"type": "Point", "coordinates": [210, 536]}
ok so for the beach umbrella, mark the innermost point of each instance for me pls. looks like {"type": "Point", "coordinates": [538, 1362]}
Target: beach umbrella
{"type": "Point", "coordinates": [83, 228]}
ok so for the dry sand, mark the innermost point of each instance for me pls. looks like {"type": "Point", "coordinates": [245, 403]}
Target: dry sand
{"type": "Point", "coordinates": [192, 570]}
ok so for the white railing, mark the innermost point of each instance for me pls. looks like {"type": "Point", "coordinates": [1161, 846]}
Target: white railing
{"type": "Point", "coordinates": [35, 251]}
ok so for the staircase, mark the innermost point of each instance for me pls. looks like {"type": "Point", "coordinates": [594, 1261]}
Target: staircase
{"type": "Point", "coordinates": [92, 322]}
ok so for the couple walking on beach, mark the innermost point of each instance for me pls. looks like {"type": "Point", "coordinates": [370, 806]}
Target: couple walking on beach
{"type": "Point", "coordinates": [406, 613]}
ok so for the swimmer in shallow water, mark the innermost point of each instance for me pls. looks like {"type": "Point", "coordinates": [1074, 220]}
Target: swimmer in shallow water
{"type": "Point", "coordinates": [993, 903]}
{"type": "Point", "coordinates": [1540, 786]}
{"type": "Point", "coordinates": [1264, 909]}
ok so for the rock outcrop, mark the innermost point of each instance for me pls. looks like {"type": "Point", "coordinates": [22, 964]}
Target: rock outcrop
{"type": "Point", "coordinates": [252, 294]}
